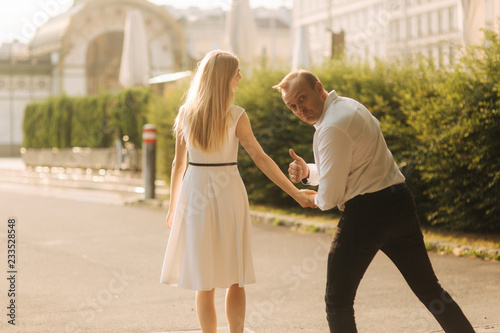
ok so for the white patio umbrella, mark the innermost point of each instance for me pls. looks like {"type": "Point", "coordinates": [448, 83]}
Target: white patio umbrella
{"type": "Point", "coordinates": [134, 67]}
{"type": "Point", "coordinates": [241, 31]}
{"type": "Point", "coordinates": [300, 57]}
{"type": "Point", "coordinates": [470, 10]}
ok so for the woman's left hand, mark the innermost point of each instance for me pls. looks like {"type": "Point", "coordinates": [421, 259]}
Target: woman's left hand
{"type": "Point", "coordinates": [306, 198]}
{"type": "Point", "coordinates": [170, 219]}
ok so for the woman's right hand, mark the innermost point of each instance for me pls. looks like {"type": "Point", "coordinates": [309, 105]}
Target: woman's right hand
{"type": "Point", "coordinates": [306, 198]}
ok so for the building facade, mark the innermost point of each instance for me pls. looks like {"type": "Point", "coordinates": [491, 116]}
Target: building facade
{"type": "Point", "coordinates": [22, 79]}
{"type": "Point", "coordinates": [78, 53]}
{"type": "Point", "coordinates": [205, 30]}
{"type": "Point", "coordinates": [370, 29]}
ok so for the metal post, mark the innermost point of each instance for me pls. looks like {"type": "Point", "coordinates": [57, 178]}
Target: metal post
{"type": "Point", "coordinates": [149, 160]}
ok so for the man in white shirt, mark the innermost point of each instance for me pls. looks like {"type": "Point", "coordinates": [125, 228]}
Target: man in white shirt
{"type": "Point", "coordinates": [356, 172]}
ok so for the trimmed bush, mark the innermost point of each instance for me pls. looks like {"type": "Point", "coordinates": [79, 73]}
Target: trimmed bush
{"type": "Point", "coordinates": [461, 156]}
{"type": "Point", "coordinates": [61, 120]}
{"type": "Point", "coordinates": [129, 114]}
{"type": "Point", "coordinates": [276, 128]}
{"type": "Point", "coordinates": [90, 122]}
{"type": "Point", "coordinates": [162, 112]}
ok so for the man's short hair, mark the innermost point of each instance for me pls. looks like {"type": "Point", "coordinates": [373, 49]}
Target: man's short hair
{"type": "Point", "coordinates": [302, 74]}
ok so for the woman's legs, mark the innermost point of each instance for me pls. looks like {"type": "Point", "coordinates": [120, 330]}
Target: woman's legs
{"type": "Point", "coordinates": [235, 308]}
{"type": "Point", "coordinates": [205, 308]}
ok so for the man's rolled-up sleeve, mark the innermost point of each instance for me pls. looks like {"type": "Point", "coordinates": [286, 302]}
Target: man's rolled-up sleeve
{"type": "Point", "coordinates": [335, 154]}
{"type": "Point", "coordinates": [313, 179]}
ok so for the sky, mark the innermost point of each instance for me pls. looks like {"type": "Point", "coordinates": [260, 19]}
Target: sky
{"type": "Point", "coordinates": [20, 18]}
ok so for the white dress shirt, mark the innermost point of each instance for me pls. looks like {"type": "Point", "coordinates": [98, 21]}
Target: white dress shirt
{"type": "Point", "coordinates": [350, 153]}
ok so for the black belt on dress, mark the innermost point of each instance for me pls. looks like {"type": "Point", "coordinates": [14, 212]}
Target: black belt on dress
{"type": "Point", "coordinates": [213, 164]}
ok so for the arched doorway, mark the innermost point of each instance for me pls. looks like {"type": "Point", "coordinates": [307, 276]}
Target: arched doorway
{"type": "Point", "coordinates": [103, 63]}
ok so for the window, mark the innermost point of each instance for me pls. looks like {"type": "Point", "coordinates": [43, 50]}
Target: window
{"type": "Point", "coordinates": [336, 24]}
{"type": "Point", "coordinates": [440, 56]}
{"type": "Point", "coordinates": [452, 13]}
{"type": "Point", "coordinates": [419, 26]}
{"type": "Point", "coordinates": [355, 21]}
{"type": "Point", "coordinates": [344, 19]}
{"type": "Point", "coordinates": [401, 30]}
{"type": "Point", "coordinates": [424, 24]}
{"type": "Point", "coordinates": [392, 5]}
{"type": "Point", "coordinates": [488, 15]}
{"type": "Point", "coordinates": [445, 20]}
{"type": "Point", "coordinates": [408, 29]}
{"type": "Point", "coordinates": [414, 27]}
{"type": "Point", "coordinates": [435, 55]}
{"type": "Point", "coordinates": [440, 21]}
{"type": "Point", "coordinates": [433, 20]}
{"type": "Point", "coordinates": [394, 31]}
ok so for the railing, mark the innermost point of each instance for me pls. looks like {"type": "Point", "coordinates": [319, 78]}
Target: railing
{"type": "Point", "coordinates": [92, 158]}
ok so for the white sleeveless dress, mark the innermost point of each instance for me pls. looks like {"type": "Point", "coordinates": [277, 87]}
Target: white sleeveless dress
{"type": "Point", "coordinates": [210, 241]}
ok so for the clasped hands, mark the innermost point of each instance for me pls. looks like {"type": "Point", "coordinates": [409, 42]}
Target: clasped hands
{"type": "Point", "coordinates": [297, 171]}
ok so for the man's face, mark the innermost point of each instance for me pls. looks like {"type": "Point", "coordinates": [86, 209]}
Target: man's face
{"type": "Point", "coordinates": [304, 101]}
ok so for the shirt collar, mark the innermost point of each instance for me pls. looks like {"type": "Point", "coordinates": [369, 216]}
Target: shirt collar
{"type": "Point", "coordinates": [332, 96]}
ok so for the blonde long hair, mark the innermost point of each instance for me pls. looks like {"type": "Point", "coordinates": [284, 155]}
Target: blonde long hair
{"type": "Point", "coordinates": [203, 118]}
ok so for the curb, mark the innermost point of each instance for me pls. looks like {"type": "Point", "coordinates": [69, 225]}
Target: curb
{"type": "Point", "coordinates": [461, 250]}
{"type": "Point", "coordinates": [441, 247]}
{"type": "Point", "coordinates": [294, 223]}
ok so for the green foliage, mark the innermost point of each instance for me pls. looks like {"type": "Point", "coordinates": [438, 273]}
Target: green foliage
{"type": "Point", "coordinates": [46, 111]}
{"type": "Point", "coordinates": [86, 123]}
{"type": "Point", "coordinates": [461, 127]}
{"type": "Point", "coordinates": [93, 121]}
{"type": "Point", "coordinates": [63, 112]}
{"type": "Point", "coordinates": [31, 126]}
{"type": "Point", "coordinates": [413, 94]}
{"type": "Point", "coordinates": [129, 114]}
{"type": "Point", "coordinates": [276, 129]}
{"type": "Point", "coordinates": [162, 112]}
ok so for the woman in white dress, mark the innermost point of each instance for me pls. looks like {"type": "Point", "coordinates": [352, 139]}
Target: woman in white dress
{"type": "Point", "coordinates": [210, 239]}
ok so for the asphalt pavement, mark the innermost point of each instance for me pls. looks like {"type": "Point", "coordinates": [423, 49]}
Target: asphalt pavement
{"type": "Point", "coordinates": [88, 264]}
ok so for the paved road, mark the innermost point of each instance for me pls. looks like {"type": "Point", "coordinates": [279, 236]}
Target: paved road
{"type": "Point", "coordinates": [86, 263]}
{"type": "Point", "coordinates": [91, 267]}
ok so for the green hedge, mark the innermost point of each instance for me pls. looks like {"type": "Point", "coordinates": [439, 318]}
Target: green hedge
{"type": "Point", "coordinates": [460, 130]}
{"type": "Point", "coordinates": [442, 127]}
{"type": "Point", "coordinates": [276, 129]}
{"type": "Point", "coordinates": [93, 121]}
{"type": "Point", "coordinates": [128, 114]}
{"type": "Point", "coordinates": [162, 113]}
